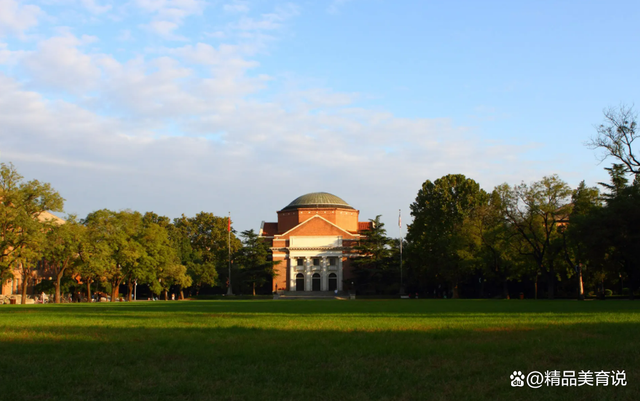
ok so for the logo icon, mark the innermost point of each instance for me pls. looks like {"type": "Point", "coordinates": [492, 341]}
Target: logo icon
{"type": "Point", "coordinates": [517, 379]}
{"type": "Point", "coordinates": [535, 379]}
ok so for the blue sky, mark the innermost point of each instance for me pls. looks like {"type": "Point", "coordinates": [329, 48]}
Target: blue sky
{"type": "Point", "coordinates": [179, 106]}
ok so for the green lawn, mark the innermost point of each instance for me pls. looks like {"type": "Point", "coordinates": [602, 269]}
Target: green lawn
{"type": "Point", "coordinates": [313, 350]}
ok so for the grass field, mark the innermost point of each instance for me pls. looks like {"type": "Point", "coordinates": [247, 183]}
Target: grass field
{"type": "Point", "coordinates": [314, 350]}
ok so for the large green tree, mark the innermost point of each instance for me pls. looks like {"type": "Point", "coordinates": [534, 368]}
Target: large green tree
{"type": "Point", "coordinates": [62, 246]}
{"type": "Point", "coordinates": [160, 265]}
{"type": "Point", "coordinates": [584, 201]}
{"type": "Point", "coordinates": [22, 223]}
{"type": "Point", "coordinates": [496, 243]}
{"type": "Point", "coordinates": [121, 232]}
{"type": "Point", "coordinates": [206, 251]}
{"type": "Point", "coordinates": [376, 269]}
{"type": "Point", "coordinates": [438, 238]}
{"type": "Point", "coordinates": [609, 235]}
{"type": "Point", "coordinates": [94, 256]}
{"type": "Point", "coordinates": [534, 212]}
{"type": "Point", "coordinates": [254, 262]}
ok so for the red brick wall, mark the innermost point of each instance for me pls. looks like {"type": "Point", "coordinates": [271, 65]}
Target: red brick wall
{"type": "Point", "coordinates": [347, 219]}
{"type": "Point", "coordinates": [282, 271]}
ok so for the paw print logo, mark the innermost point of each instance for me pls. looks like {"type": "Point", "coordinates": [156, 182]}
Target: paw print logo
{"type": "Point", "coordinates": [517, 379]}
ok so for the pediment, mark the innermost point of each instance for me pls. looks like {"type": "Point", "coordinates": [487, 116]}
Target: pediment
{"type": "Point", "coordinates": [317, 226]}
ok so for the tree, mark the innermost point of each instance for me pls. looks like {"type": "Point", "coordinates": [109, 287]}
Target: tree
{"type": "Point", "coordinates": [534, 212]}
{"type": "Point", "coordinates": [120, 231]}
{"type": "Point", "coordinates": [619, 181]}
{"type": "Point", "coordinates": [497, 242]}
{"type": "Point", "coordinates": [584, 200]}
{"type": "Point", "coordinates": [254, 262]}
{"type": "Point", "coordinates": [94, 257]}
{"type": "Point", "coordinates": [63, 243]}
{"type": "Point", "coordinates": [437, 237]}
{"type": "Point", "coordinates": [377, 263]}
{"type": "Point", "coordinates": [205, 253]}
{"type": "Point", "coordinates": [616, 136]}
{"type": "Point", "coordinates": [159, 265]}
{"type": "Point", "coordinates": [22, 222]}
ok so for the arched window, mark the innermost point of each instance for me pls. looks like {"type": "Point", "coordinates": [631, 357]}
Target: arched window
{"type": "Point", "coordinates": [333, 282]}
{"type": "Point", "coordinates": [299, 282]}
{"type": "Point", "coordinates": [316, 282]}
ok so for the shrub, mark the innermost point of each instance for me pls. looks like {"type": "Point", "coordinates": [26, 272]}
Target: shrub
{"type": "Point", "coordinates": [608, 293]}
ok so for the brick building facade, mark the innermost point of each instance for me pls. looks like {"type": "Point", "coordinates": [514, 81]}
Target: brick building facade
{"type": "Point", "coordinates": [314, 241]}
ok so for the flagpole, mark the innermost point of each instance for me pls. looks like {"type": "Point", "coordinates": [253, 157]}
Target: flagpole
{"type": "Point", "coordinates": [229, 292]}
{"type": "Point", "coordinates": [400, 228]}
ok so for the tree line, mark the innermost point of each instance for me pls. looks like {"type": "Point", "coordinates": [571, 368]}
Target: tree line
{"type": "Point", "coordinates": [527, 239]}
{"type": "Point", "coordinates": [108, 249]}
{"type": "Point", "coordinates": [533, 238]}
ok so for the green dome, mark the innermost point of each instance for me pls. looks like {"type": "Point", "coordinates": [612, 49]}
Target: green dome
{"type": "Point", "coordinates": [318, 199]}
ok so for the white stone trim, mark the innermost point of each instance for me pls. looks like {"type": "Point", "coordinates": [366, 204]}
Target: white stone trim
{"type": "Point", "coordinates": [319, 217]}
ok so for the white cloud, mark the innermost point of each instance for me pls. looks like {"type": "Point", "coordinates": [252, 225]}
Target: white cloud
{"type": "Point", "coordinates": [164, 29]}
{"type": "Point", "coordinates": [168, 129]}
{"type": "Point", "coordinates": [60, 64]}
{"type": "Point", "coordinates": [8, 56]}
{"type": "Point", "coordinates": [16, 18]}
{"type": "Point", "coordinates": [169, 15]}
{"type": "Point", "coordinates": [94, 7]}
{"type": "Point", "coordinates": [268, 21]}
{"type": "Point", "coordinates": [171, 8]}
{"type": "Point", "coordinates": [236, 7]}
{"type": "Point", "coordinates": [227, 139]}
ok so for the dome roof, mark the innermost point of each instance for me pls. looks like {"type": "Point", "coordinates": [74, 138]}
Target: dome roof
{"type": "Point", "coordinates": [318, 200]}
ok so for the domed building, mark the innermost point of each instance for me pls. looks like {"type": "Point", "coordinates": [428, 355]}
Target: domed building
{"type": "Point", "coordinates": [314, 241]}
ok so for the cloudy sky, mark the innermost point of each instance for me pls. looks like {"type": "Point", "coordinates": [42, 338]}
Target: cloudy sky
{"type": "Point", "coordinates": [179, 106]}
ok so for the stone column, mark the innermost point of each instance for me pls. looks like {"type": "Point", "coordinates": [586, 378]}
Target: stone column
{"type": "Point", "coordinates": [340, 273]}
{"type": "Point", "coordinates": [293, 263]}
{"type": "Point", "coordinates": [324, 284]}
{"type": "Point", "coordinates": [307, 274]}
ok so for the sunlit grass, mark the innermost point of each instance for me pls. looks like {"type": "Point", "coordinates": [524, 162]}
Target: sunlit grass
{"type": "Point", "coordinates": [388, 349]}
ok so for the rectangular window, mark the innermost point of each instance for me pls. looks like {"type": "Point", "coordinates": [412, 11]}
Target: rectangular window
{"type": "Point", "coordinates": [300, 261]}
{"type": "Point", "coordinates": [316, 262]}
{"type": "Point", "coordinates": [332, 261]}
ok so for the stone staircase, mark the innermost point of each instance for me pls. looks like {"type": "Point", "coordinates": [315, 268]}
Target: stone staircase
{"type": "Point", "coordinates": [311, 295]}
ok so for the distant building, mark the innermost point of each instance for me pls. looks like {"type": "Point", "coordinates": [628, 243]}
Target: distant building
{"type": "Point", "coordinates": [314, 241]}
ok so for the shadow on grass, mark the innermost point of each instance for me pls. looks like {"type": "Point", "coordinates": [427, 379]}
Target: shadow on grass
{"type": "Point", "coordinates": [80, 362]}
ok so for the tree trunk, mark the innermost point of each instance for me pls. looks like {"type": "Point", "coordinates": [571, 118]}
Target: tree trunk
{"type": "Point", "coordinates": [115, 290]}
{"type": "Point", "coordinates": [56, 298]}
{"type": "Point", "coordinates": [88, 290]}
{"type": "Point", "coordinates": [130, 290]}
{"type": "Point", "coordinates": [181, 294]}
{"type": "Point", "coordinates": [165, 295]}
{"type": "Point", "coordinates": [551, 285]}
{"type": "Point", "coordinates": [25, 283]}
{"type": "Point", "coordinates": [580, 285]}
{"type": "Point", "coordinates": [456, 293]}
{"type": "Point", "coordinates": [254, 288]}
